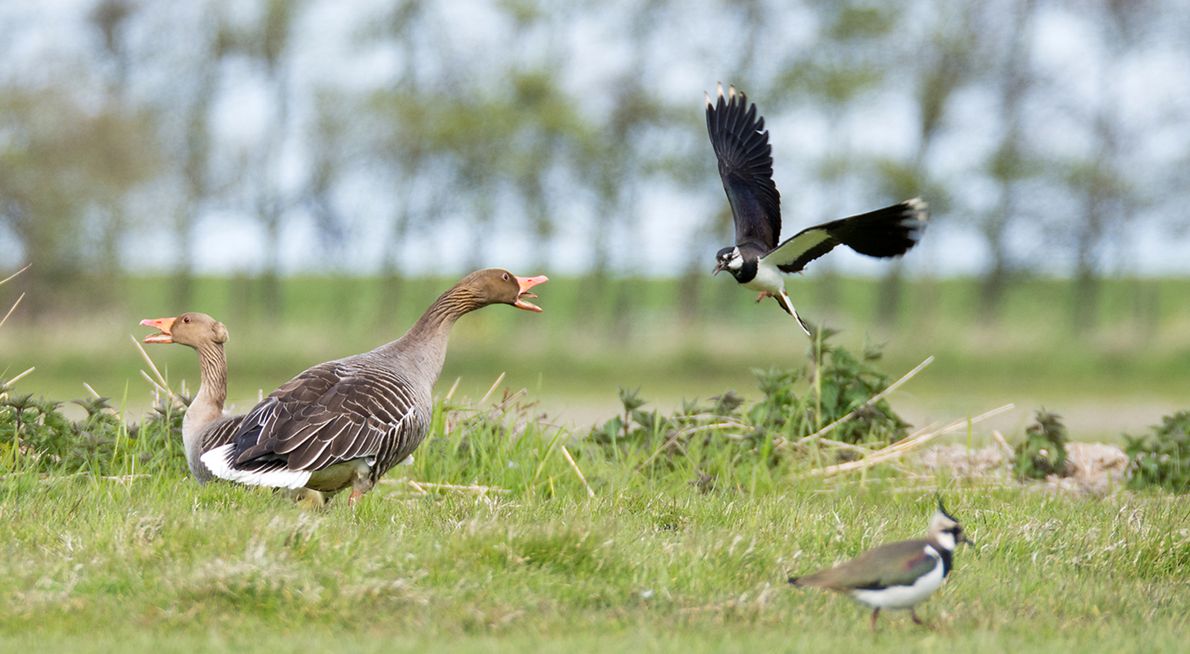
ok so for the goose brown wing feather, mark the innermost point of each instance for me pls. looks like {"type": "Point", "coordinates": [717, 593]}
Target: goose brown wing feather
{"type": "Point", "coordinates": [220, 433]}
{"type": "Point", "coordinates": [331, 413]}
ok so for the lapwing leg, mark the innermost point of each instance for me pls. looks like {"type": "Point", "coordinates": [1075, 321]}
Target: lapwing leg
{"type": "Point", "coordinates": [875, 614]}
{"type": "Point", "coordinates": [787, 305]}
{"type": "Point", "coordinates": [917, 620]}
{"type": "Point", "coordinates": [762, 295]}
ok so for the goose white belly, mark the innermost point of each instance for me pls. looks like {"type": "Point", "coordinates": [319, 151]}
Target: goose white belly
{"type": "Point", "coordinates": [904, 597]}
{"type": "Point", "coordinates": [767, 278]}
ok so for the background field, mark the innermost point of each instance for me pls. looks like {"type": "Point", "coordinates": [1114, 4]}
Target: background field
{"type": "Point", "coordinates": [1121, 374]}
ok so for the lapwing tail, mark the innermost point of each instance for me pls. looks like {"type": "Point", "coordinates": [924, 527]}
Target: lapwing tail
{"type": "Point", "coordinates": [787, 304]}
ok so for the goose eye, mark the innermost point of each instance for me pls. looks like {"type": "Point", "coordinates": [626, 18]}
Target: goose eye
{"type": "Point", "coordinates": [505, 276]}
{"type": "Point", "coordinates": [186, 319]}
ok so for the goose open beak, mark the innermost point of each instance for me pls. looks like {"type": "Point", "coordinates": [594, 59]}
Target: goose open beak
{"type": "Point", "coordinates": [163, 326]}
{"type": "Point", "coordinates": [527, 283]}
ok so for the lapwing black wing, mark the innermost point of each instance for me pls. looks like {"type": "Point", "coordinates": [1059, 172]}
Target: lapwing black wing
{"type": "Point", "coordinates": [757, 260]}
{"type": "Point", "coordinates": [898, 575]}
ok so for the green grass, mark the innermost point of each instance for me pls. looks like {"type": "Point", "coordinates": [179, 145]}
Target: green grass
{"type": "Point", "coordinates": [651, 562]}
{"type": "Point", "coordinates": [94, 562]}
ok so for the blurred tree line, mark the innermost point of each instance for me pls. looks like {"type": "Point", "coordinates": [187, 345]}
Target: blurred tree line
{"type": "Point", "coordinates": [143, 124]}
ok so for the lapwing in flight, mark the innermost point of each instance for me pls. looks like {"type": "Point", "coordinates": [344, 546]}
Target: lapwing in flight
{"type": "Point", "coordinates": [897, 575]}
{"type": "Point", "coordinates": [759, 260]}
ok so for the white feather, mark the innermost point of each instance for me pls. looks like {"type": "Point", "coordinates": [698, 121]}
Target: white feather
{"type": "Point", "coordinates": [218, 461]}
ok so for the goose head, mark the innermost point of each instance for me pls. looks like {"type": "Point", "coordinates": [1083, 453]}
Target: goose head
{"type": "Point", "coordinates": [191, 328]}
{"type": "Point", "coordinates": [497, 286]}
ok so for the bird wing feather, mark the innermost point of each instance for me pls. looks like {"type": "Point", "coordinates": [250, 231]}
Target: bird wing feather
{"type": "Point", "coordinates": [741, 145]}
{"type": "Point", "coordinates": [887, 232]}
{"type": "Point", "coordinates": [330, 413]}
{"type": "Point", "coordinates": [894, 564]}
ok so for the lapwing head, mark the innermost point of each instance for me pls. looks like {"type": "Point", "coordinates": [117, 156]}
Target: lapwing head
{"type": "Point", "coordinates": [728, 259]}
{"type": "Point", "coordinates": [946, 530]}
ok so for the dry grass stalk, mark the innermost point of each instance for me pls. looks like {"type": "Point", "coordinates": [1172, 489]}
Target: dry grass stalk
{"type": "Point", "coordinates": [577, 471]}
{"type": "Point", "coordinates": [492, 389]}
{"type": "Point", "coordinates": [453, 387]}
{"type": "Point", "coordinates": [856, 411]}
{"type": "Point", "coordinates": [12, 308]}
{"type": "Point", "coordinates": [907, 444]}
{"type": "Point", "coordinates": [461, 488]}
{"type": "Point", "coordinates": [1003, 442]}
{"type": "Point", "coordinates": [19, 377]}
{"type": "Point", "coordinates": [424, 487]}
{"type": "Point", "coordinates": [160, 382]}
{"type": "Point", "coordinates": [9, 278]}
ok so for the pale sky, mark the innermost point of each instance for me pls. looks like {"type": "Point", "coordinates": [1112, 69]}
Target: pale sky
{"type": "Point", "coordinates": [330, 51]}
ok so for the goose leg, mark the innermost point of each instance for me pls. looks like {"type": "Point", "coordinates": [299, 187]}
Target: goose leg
{"type": "Point", "coordinates": [875, 614]}
{"type": "Point", "coordinates": [360, 484]}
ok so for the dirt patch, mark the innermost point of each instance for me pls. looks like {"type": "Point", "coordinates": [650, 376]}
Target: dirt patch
{"type": "Point", "coordinates": [1092, 468]}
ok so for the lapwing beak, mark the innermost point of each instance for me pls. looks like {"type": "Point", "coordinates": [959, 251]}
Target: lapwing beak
{"type": "Point", "coordinates": [527, 283]}
{"type": "Point", "coordinates": [963, 539]}
{"type": "Point", "coordinates": [718, 268]}
{"type": "Point", "coordinates": [163, 327]}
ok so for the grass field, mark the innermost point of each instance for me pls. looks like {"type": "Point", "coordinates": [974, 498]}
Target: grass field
{"type": "Point", "coordinates": [647, 561]}
{"type": "Point", "coordinates": [501, 546]}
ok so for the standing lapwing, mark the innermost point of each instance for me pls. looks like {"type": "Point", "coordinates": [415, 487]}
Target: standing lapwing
{"type": "Point", "coordinates": [757, 260]}
{"type": "Point", "coordinates": [897, 575]}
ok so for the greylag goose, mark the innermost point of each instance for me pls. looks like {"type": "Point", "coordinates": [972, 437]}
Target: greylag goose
{"type": "Point", "coordinates": [347, 422]}
{"type": "Point", "coordinates": [204, 425]}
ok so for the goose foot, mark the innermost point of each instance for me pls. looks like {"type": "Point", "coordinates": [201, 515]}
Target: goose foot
{"type": "Point", "coordinates": [307, 498]}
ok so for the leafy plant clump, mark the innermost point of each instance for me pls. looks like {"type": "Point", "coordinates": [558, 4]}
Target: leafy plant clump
{"type": "Point", "coordinates": [1043, 452]}
{"type": "Point", "coordinates": [795, 403]}
{"type": "Point", "coordinates": [1161, 458]}
{"type": "Point", "coordinates": [37, 436]}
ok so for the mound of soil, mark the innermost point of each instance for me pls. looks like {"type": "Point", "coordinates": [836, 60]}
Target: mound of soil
{"type": "Point", "coordinates": [1094, 468]}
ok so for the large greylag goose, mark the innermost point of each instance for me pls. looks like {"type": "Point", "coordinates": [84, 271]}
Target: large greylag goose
{"type": "Point", "coordinates": [346, 422]}
{"type": "Point", "coordinates": [204, 426]}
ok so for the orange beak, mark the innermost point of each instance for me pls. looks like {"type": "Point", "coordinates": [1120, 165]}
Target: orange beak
{"type": "Point", "coordinates": [163, 326]}
{"type": "Point", "coordinates": [527, 283]}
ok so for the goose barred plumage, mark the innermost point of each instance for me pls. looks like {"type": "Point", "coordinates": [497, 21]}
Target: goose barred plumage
{"type": "Point", "coordinates": [347, 422]}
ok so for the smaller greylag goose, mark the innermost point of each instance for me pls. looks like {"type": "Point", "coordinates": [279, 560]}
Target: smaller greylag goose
{"type": "Point", "coordinates": [347, 422]}
{"type": "Point", "coordinates": [204, 426]}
